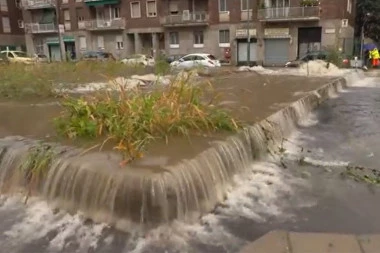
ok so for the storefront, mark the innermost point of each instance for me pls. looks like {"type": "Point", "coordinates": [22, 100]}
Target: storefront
{"type": "Point", "coordinates": [54, 47]}
{"type": "Point", "coordinates": [242, 47]}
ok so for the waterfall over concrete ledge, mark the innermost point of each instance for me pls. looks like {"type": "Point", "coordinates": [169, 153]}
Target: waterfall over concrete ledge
{"type": "Point", "coordinates": [94, 184]}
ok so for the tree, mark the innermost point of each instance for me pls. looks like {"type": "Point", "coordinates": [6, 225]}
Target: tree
{"type": "Point", "coordinates": [368, 13]}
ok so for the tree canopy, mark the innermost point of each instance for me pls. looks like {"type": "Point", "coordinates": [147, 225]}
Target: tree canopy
{"type": "Point", "coordinates": [368, 13]}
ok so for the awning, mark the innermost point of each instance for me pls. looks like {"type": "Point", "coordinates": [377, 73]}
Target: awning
{"type": "Point", "coordinates": [55, 40]}
{"type": "Point", "coordinates": [100, 2]}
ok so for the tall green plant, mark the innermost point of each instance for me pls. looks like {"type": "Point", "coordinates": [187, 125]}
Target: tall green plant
{"type": "Point", "coordinates": [133, 119]}
{"type": "Point", "coordinates": [36, 166]}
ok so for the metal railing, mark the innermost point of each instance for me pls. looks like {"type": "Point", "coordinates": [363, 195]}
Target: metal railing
{"type": "Point", "coordinates": [41, 28]}
{"type": "Point", "coordinates": [186, 18]}
{"type": "Point", "coordinates": [38, 4]}
{"type": "Point", "coordinates": [99, 24]}
{"type": "Point", "coordinates": [288, 13]}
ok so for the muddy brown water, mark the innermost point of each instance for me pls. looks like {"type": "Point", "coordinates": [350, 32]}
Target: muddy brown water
{"type": "Point", "coordinates": [250, 96]}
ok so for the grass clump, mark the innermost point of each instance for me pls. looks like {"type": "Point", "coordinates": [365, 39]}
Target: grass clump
{"type": "Point", "coordinates": [133, 119]}
{"type": "Point", "coordinates": [36, 166]}
{"type": "Point", "coordinates": [41, 80]}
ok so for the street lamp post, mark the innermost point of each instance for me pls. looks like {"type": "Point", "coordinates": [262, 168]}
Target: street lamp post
{"type": "Point", "coordinates": [60, 32]}
{"type": "Point", "coordinates": [248, 33]}
{"type": "Point", "coordinates": [362, 37]}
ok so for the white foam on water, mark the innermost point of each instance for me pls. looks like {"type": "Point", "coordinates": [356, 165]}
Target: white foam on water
{"type": "Point", "coordinates": [256, 197]}
{"type": "Point", "coordinates": [367, 82]}
{"type": "Point", "coordinates": [312, 68]}
{"type": "Point", "coordinates": [310, 120]}
{"type": "Point", "coordinates": [38, 220]}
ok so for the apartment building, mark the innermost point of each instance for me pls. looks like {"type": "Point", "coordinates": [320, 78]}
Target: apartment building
{"type": "Point", "coordinates": [277, 30]}
{"type": "Point", "coordinates": [122, 27]}
{"type": "Point", "coordinates": [11, 25]}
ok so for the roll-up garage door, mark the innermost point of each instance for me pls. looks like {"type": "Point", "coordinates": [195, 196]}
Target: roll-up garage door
{"type": "Point", "coordinates": [276, 51]}
{"type": "Point", "coordinates": [242, 52]}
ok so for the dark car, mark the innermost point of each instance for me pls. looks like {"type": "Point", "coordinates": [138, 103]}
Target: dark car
{"type": "Point", "coordinates": [97, 56]}
{"type": "Point", "coordinates": [317, 55]}
{"type": "Point", "coordinates": [172, 58]}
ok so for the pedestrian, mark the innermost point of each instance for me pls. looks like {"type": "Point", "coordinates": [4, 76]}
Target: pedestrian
{"type": "Point", "coordinates": [374, 55]}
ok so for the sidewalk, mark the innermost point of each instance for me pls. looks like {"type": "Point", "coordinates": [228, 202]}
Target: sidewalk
{"type": "Point", "coordinates": [290, 242]}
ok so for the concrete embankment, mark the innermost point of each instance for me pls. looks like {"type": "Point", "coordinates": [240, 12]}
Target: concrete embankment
{"type": "Point", "coordinates": [93, 183]}
{"type": "Point", "coordinates": [289, 242]}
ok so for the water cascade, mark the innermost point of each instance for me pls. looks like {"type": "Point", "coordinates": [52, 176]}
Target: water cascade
{"type": "Point", "coordinates": [94, 184]}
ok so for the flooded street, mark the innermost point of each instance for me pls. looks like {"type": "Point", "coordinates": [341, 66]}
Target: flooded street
{"type": "Point", "coordinates": [303, 192]}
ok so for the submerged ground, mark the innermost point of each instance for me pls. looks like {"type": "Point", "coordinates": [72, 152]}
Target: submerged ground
{"type": "Point", "coordinates": [296, 195]}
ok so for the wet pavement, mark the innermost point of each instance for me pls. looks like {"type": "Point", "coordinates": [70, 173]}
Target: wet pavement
{"type": "Point", "coordinates": [294, 196]}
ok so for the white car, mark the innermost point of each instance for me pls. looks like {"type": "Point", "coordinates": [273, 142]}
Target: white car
{"type": "Point", "coordinates": [139, 59]}
{"type": "Point", "coordinates": [196, 60]}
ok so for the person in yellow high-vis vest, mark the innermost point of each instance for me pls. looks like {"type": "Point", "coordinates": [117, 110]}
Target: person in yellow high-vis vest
{"type": "Point", "coordinates": [374, 56]}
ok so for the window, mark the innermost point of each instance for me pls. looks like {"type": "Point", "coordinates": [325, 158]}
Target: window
{"type": "Point", "coordinates": [65, 1]}
{"type": "Point", "coordinates": [349, 6]}
{"type": "Point", "coordinates": [18, 3]}
{"type": "Point", "coordinates": [173, 7]}
{"type": "Point", "coordinates": [188, 58]}
{"type": "Point", "coordinates": [222, 5]}
{"type": "Point", "coordinates": [245, 5]}
{"type": "Point", "coordinates": [66, 15]}
{"type": "Point", "coordinates": [3, 5]}
{"type": "Point", "coordinates": [82, 43]}
{"type": "Point", "coordinates": [174, 39]}
{"type": "Point", "coordinates": [151, 9]}
{"type": "Point", "coordinates": [198, 38]}
{"type": "Point", "coordinates": [116, 12]}
{"type": "Point", "coordinates": [6, 25]}
{"type": "Point", "coordinates": [224, 38]}
{"type": "Point", "coordinates": [135, 10]}
{"type": "Point", "coordinates": [20, 23]}
{"type": "Point", "coordinates": [100, 42]}
{"type": "Point", "coordinates": [80, 18]}
{"type": "Point", "coordinates": [119, 42]}
{"type": "Point", "coordinates": [78, 1]}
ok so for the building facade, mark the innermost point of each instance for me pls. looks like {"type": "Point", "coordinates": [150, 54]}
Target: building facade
{"type": "Point", "coordinates": [271, 32]}
{"type": "Point", "coordinates": [11, 26]}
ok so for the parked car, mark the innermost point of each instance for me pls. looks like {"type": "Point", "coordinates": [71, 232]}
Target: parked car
{"type": "Point", "coordinates": [97, 56]}
{"type": "Point", "coordinates": [139, 59]}
{"type": "Point", "coordinates": [175, 57]}
{"type": "Point", "coordinates": [196, 60]}
{"type": "Point", "coordinates": [17, 57]}
{"type": "Point", "coordinates": [317, 55]}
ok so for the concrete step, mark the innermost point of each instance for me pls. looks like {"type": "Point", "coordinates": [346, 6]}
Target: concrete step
{"type": "Point", "coordinates": [290, 242]}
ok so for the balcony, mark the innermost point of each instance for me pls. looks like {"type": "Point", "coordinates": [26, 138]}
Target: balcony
{"type": "Point", "coordinates": [41, 28]}
{"type": "Point", "coordinates": [38, 4]}
{"type": "Point", "coordinates": [289, 14]}
{"type": "Point", "coordinates": [98, 24]}
{"type": "Point", "coordinates": [186, 19]}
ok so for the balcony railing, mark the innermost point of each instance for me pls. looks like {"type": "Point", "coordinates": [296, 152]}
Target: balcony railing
{"type": "Point", "coordinates": [186, 19]}
{"type": "Point", "coordinates": [289, 13]}
{"type": "Point", "coordinates": [41, 28]}
{"type": "Point", "coordinates": [98, 24]}
{"type": "Point", "coordinates": [38, 4]}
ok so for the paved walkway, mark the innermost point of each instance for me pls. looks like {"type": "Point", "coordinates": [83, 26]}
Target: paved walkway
{"type": "Point", "coordinates": [289, 242]}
